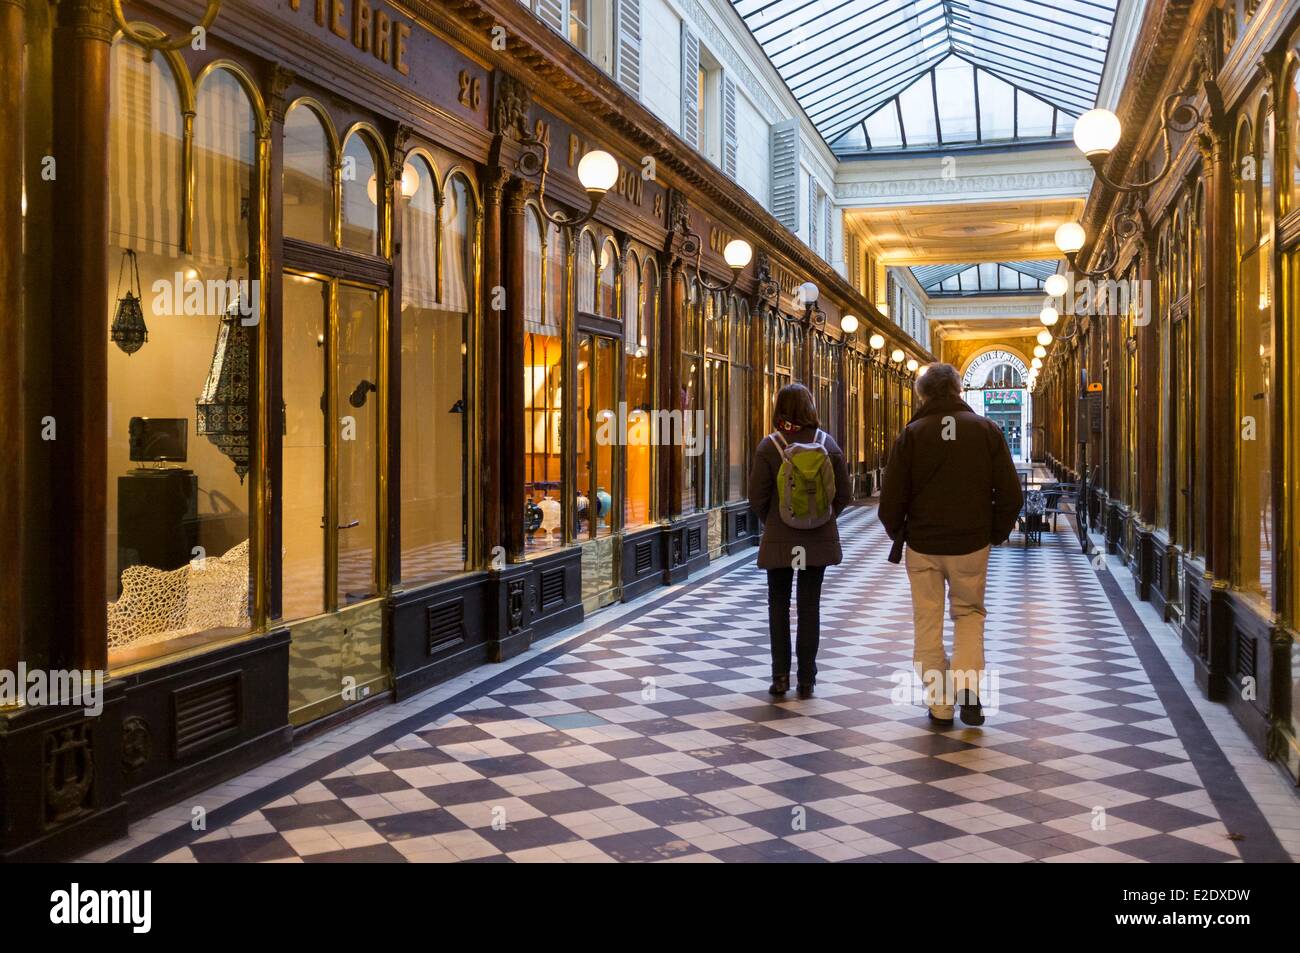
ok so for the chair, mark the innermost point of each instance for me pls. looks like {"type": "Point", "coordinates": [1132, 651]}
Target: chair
{"type": "Point", "coordinates": [1031, 517]}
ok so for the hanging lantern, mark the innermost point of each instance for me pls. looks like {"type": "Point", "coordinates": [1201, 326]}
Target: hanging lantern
{"type": "Point", "coordinates": [128, 331]}
{"type": "Point", "coordinates": [221, 411]}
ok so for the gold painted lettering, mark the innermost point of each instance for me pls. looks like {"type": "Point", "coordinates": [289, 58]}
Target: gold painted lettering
{"type": "Point", "coordinates": [361, 24]}
{"type": "Point", "coordinates": [383, 30]}
{"type": "Point", "coordinates": [575, 147]}
{"type": "Point", "coordinates": [320, 12]}
{"type": "Point", "coordinates": [399, 48]}
{"type": "Point", "coordinates": [337, 15]}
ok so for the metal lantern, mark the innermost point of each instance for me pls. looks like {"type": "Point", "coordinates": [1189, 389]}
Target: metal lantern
{"type": "Point", "coordinates": [128, 331]}
{"type": "Point", "coordinates": [221, 411]}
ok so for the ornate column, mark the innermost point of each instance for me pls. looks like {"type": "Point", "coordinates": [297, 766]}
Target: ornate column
{"type": "Point", "coordinates": [512, 364]}
{"type": "Point", "coordinates": [12, 340]}
{"type": "Point", "coordinates": [1148, 445]}
{"type": "Point", "coordinates": [488, 419]}
{"type": "Point", "coordinates": [1219, 351]}
{"type": "Point", "coordinates": [79, 372]}
{"type": "Point", "coordinates": [273, 437]}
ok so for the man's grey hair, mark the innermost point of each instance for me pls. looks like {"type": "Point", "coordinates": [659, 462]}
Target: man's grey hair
{"type": "Point", "coordinates": [939, 380]}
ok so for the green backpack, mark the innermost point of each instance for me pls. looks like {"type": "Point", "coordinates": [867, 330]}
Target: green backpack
{"type": "Point", "coordinates": [805, 483]}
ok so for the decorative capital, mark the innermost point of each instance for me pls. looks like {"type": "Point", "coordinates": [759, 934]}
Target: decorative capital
{"type": "Point", "coordinates": [281, 80]}
{"type": "Point", "coordinates": [87, 19]}
{"type": "Point", "coordinates": [518, 192]}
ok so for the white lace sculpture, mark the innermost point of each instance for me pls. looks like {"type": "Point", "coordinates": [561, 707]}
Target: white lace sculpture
{"type": "Point", "coordinates": [161, 604]}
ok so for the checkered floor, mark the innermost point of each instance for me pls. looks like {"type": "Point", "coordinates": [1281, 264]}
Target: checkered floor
{"type": "Point", "coordinates": [655, 740]}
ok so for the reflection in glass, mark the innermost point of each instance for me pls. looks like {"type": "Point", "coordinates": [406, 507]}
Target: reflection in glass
{"type": "Point", "coordinates": [597, 422]}
{"type": "Point", "coordinates": [308, 183]}
{"type": "Point", "coordinates": [434, 348]}
{"type": "Point", "coordinates": [543, 377]}
{"type": "Point", "coordinates": [176, 509]}
{"type": "Point", "coordinates": [641, 295]}
{"type": "Point", "coordinates": [357, 383]}
{"type": "Point", "coordinates": [363, 192]}
{"type": "Point", "coordinates": [303, 507]}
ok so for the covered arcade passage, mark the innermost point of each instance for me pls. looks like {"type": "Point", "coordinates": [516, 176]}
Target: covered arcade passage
{"type": "Point", "coordinates": [384, 383]}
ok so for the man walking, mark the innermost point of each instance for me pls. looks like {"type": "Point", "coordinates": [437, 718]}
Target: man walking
{"type": "Point", "coordinates": [950, 491]}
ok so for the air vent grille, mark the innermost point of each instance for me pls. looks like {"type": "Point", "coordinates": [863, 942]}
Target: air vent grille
{"type": "Point", "coordinates": [552, 588]}
{"type": "Point", "coordinates": [206, 712]}
{"type": "Point", "coordinates": [446, 626]}
{"type": "Point", "coordinates": [1245, 655]}
{"type": "Point", "coordinates": [644, 557]}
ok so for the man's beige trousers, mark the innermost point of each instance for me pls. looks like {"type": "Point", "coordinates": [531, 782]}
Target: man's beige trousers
{"type": "Point", "coordinates": [964, 578]}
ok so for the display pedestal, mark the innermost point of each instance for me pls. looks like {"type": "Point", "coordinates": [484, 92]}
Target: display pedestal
{"type": "Point", "coordinates": [157, 518]}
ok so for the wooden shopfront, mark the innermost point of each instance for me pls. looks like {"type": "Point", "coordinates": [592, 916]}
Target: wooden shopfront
{"type": "Point", "coordinates": [422, 408]}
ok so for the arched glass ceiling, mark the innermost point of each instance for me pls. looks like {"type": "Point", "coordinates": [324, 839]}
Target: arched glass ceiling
{"type": "Point", "coordinates": [988, 278]}
{"type": "Point", "coordinates": [941, 65]}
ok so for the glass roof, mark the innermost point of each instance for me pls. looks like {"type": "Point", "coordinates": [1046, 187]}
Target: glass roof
{"type": "Point", "coordinates": [900, 74]}
{"type": "Point", "coordinates": [990, 277]}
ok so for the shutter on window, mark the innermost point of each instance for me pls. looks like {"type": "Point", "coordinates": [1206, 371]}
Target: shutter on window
{"type": "Point", "coordinates": [627, 45]}
{"type": "Point", "coordinates": [812, 213]}
{"type": "Point", "coordinates": [551, 12]}
{"type": "Point", "coordinates": [785, 173]}
{"type": "Point", "coordinates": [855, 271]}
{"type": "Point", "coordinates": [729, 126]}
{"type": "Point", "coordinates": [830, 232]}
{"type": "Point", "coordinates": [690, 87]}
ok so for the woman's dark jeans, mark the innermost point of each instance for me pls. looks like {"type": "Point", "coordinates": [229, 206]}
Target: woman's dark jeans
{"type": "Point", "coordinates": [779, 583]}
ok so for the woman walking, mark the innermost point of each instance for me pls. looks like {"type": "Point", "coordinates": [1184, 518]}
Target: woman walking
{"type": "Point", "coordinates": [798, 486]}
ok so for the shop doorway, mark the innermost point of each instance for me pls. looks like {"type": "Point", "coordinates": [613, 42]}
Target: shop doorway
{"type": "Point", "coordinates": [332, 429]}
{"type": "Point", "coordinates": [994, 385]}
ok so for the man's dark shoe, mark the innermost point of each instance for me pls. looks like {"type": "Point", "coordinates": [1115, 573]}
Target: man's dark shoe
{"type": "Point", "coordinates": [806, 689]}
{"type": "Point", "coordinates": [972, 712]}
{"type": "Point", "coordinates": [937, 721]}
{"type": "Point", "coordinates": [780, 685]}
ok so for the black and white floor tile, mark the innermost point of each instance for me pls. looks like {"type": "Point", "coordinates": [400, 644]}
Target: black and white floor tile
{"type": "Point", "coordinates": [652, 738]}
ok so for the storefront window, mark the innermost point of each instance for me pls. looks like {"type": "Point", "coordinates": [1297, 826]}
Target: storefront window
{"type": "Point", "coordinates": [1165, 270]}
{"type": "Point", "coordinates": [714, 480]}
{"type": "Point", "coordinates": [641, 297]}
{"type": "Point", "coordinates": [543, 377]}
{"type": "Point", "coordinates": [1254, 550]}
{"type": "Point", "coordinates": [607, 301]}
{"type": "Point", "coordinates": [692, 404]}
{"type": "Point", "coordinates": [434, 344]}
{"type": "Point", "coordinates": [363, 194]}
{"type": "Point", "coordinates": [177, 494]}
{"type": "Point", "coordinates": [596, 390]}
{"type": "Point", "coordinates": [738, 449]}
{"type": "Point", "coordinates": [585, 273]}
{"type": "Point", "coordinates": [1195, 479]}
{"type": "Point", "coordinates": [308, 181]}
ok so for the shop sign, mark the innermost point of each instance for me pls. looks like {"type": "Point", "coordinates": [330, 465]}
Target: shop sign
{"type": "Point", "coordinates": [366, 25]}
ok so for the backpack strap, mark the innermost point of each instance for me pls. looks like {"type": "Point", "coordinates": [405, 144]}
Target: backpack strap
{"type": "Point", "coordinates": [781, 445]}
{"type": "Point", "coordinates": [821, 438]}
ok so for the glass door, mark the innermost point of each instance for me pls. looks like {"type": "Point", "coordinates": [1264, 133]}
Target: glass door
{"type": "Point", "coordinates": [332, 430]}
{"type": "Point", "coordinates": [598, 506]}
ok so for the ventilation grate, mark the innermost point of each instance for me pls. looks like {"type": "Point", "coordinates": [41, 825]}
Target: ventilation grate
{"type": "Point", "coordinates": [1245, 655]}
{"type": "Point", "coordinates": [446, 626]}
{"type": "Point", "coordinates": [205, 713]}
{"type": "Point", "coordinates": [644, 558]}
{"type": "Point", "coordinates": [552, 588]}
{"type": "Point", "coordinates": [692, 541]}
